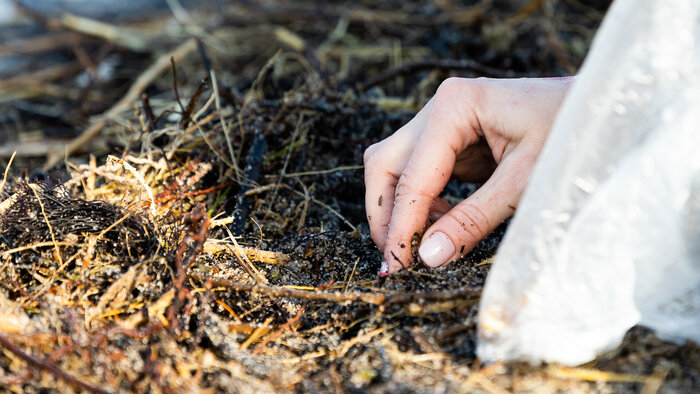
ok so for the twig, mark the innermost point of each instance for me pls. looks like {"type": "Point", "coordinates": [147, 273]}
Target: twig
{"type": "Point", "coordinates": [321, 172]}
{"type": "Point", "coordinates": [216, 96]}
{"type": "Point", "coordinates": [8, 252]}
{"type": "Point", "coordinates": [224, 125]}
{"type": "Point", "coordinates": [177, 94]}
{"type": "Point", "coordinates": [23, 81]}
{"type": "Point", "coordinates": [442, 64]}
{"type": "Point", "coordinates": [528, 9]}
{"type": "Point", "coordinates": [331, 210]}
{"type": "Point", "coordinates": [262, 189]}
{"type": "Point", "coordinates": [245, 261]}
{"type": "Point", "coordinates": [228, 309]}
{"type": "Point", "coordinates": [7, 169]}
{"type": "Point", "coordinates": [72, 380]}
{"type": "Point", "coordinates": [254, 254]}
{"type": "Point", "coordinates": [257, 333]}
{"type": "Point", "coordinates": [113, 161]}
{"type": "Point", "coordinates": [148, 111]}
{"type": "Point", "coordinates": [42, 148]}
{"type": "Point", "coordinates": [593, 375]}
{"type": "Point", "coordinates": [279, 331]}
{"type": "Point", "coordinates": [50, 41]}
{"type": "Point", "coordinates": [192, 243]}
{"type": "Point", "coordinates": [485, 383]}
{"type": "Point", "coordinates": [48, 223]}
{"type": "Point", "coordinates": [351, 296]}
{"type": "Point", "coordinates": [654, 382]}
{"type": "Point", "coordinates": [359, 339]}
{"type": "Point", "coordinates": [120, 35]}
{"type": "Point", "coordinates": [352, 274]}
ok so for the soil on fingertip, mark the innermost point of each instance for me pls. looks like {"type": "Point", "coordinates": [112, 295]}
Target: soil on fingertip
{"type": "Point", "coordinates": [212, 233]}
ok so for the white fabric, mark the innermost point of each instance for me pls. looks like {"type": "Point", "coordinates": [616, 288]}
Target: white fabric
{"type": "Point", "coordinates": [607, 234]}
{"type": "Point", "coordinates": [8, 12]}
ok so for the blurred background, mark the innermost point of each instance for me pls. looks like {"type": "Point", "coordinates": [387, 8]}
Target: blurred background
{"type": "Point", "coordinates": [63, 62]}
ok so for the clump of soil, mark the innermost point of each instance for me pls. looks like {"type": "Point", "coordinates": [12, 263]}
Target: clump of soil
{"type": "Point", "coordinates": [37, 214]}
{"type": "Point", "coordinates": [256, 271]}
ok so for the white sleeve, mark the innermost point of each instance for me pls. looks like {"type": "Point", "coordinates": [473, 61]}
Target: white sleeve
{"type": "Point", "coordinates": [607, 234]}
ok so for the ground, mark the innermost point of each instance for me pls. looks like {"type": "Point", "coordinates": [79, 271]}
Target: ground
{"type": "Point", "coordinates": [188, 214]}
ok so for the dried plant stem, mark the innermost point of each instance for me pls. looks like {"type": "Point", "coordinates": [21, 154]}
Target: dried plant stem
{"type": "Point", "coordinates": [72, 380]}
{"type": "Point", "coordinates": [257, 333]}
{"type": "Point", "coordinates": [225, 126]}
{"type": "Point", "coordinates": [135, 40]}
{"type": "Point", "coordinates": [352, 274]}
{"type": "Point", "coordinates": [359, 339]}
{"type": "Point", "coordinates": [48, 223]}
{"type": "Point", "coordinates": [279, 331]}
{"type": "Point", "coordinates": [321, 172]}
{"type": "Point", "coordinates": [7, 169]}
{"type": "Point", "coordinates": [593, 375]}
{"type": "Point", "coordinates": [38, 245]}
{"type": "Point", "coordinates": [245, 261]}
{"type": "Point", "coordinates": [351, 296]}
{"type": "Point", "coordinates": [251, 253]}
{"type": "Point", "coordinates": [113, 160]}
{"type": "Point", "coordinates": [333, 211]}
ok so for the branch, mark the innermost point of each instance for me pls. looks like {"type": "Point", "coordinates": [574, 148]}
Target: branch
{"type": "Point", "coordinates": [471, 292]}
{"type": "Point", "coordinates": [47, 366]}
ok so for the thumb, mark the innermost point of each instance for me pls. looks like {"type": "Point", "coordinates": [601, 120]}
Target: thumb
{"type": "Point", "coordinates": [459, 230]}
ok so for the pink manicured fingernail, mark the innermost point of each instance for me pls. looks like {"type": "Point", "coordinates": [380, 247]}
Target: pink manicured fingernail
{"type": "Point", "coordinates": [436, 250]}
{"type": "Point", "coordinates": [384, 270]}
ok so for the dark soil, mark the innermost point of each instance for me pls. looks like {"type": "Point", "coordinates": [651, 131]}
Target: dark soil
{"type": "Point", "coordinates": [256, 271]}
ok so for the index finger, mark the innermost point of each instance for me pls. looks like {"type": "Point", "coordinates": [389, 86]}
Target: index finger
{"type": "Point", "coordinates": [451, 126]}
{"type": "Point", "coordinates": [384, 163]}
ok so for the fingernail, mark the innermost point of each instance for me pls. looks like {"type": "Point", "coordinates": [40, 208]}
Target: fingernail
{"type": "Point", "coordinates": [384, 270]}
{"type": "Point", "coordinates": [436, 250]}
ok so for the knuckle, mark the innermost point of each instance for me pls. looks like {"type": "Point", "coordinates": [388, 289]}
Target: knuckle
{"type": "Point", "coordinates": [466, 90]}
{"type": "Point", "coordinates": [472, 220]}
{"type": "Point", "coordinates": [450, 86]}
{"type": "Point", "coordinates": [407, 187]}
{"type": "Point", "coordinates": [369, 152]}
{"type": "Point", "coordinates": [404, 185]}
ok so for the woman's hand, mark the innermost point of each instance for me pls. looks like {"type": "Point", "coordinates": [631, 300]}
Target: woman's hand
{"type": "Point", "coordinates": [477, 130]}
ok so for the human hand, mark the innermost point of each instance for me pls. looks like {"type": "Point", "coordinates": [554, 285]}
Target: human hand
{"type": "Point", "coordinates": [477, 130]}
